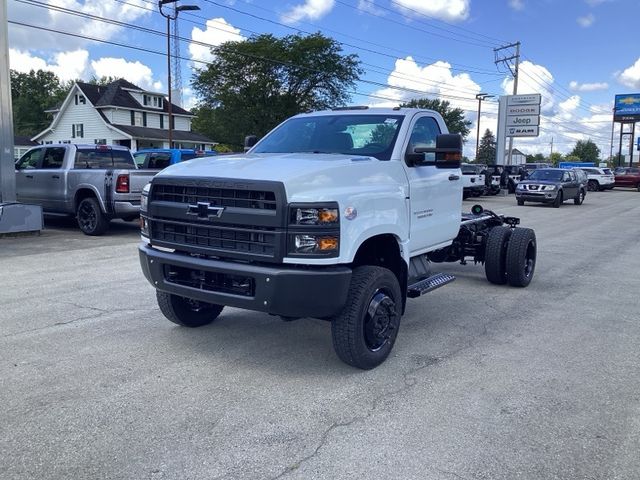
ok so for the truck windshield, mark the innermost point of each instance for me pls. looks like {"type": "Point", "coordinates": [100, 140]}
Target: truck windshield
{"type": "Point", "coordinates": [544, 174]}
{"type": "Point", "coordinates": [370, 135]}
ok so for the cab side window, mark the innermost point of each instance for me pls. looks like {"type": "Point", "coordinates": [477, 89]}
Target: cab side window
{"type": "Point", "coordinates": [53, 158]}
{"type": "Point", "coordinates": [423, 135]}
{"type": "Point", "coordinates": [30, 160]}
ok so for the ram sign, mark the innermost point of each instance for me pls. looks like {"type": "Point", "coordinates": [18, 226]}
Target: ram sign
{"type": "Point", "coordinates": [627, 108]}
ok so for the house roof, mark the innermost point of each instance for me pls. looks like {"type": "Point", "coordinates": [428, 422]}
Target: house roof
{"type": "Point", "coordinates": [116, 94]}
{"type": "Point", "coordinates": [148, 133]}
{"type": "Point", "coordinates": [22, 141]}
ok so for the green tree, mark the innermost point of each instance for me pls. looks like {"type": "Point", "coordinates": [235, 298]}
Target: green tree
{"type": "Point", "coordinates": [586, 151]}
{"type": "Point", "coordinates": [251, 86]}
{"type": "Point", "coordinates": [487, 149]}
{"type": "Point", "coordinates": [555, 158]}
{"type": "Point", "coordinates": [31, 94]}
{"type": "Point", "coordinates": [102, 81]}
{"type": "Point", "coordinates": [453, 117]}
{"type": "Point", "coordinates": [537, 158]}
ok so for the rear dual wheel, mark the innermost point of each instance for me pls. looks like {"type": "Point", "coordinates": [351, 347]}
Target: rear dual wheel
{"type": "Point", "coordinates": [510, 256]}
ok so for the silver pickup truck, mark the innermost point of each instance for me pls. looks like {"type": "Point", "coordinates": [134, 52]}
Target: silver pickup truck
{"type": "Point", "coordinates": [95, 183]}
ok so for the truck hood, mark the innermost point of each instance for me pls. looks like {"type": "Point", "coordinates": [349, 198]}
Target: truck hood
{"type": "Point", "coordinates": [306, 176]}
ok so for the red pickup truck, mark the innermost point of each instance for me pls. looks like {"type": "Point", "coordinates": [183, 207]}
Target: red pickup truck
{"type": "Point", "coordinates": [627, 177]}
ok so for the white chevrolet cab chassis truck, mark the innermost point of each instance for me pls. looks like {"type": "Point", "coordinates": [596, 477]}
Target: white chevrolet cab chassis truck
{"type": "Point", "coordinates": [338, 215]}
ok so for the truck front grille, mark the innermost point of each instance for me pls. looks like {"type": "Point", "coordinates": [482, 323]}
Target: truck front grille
{"type": "Point", "coordinates": [218, 197]}
{"type": "Point", "coordinates": [230, 238]}
{"type": "Point", "coordinates": [240, 219]}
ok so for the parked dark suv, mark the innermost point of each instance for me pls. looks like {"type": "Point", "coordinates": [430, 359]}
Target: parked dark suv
{"type": "Point", "coordinates": [551, 185]}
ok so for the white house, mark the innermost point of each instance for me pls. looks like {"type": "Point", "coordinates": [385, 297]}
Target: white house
{"type": "Point", "coordinates": [120, 113]}
{"type": "Point", "coordinates": [517, 157]}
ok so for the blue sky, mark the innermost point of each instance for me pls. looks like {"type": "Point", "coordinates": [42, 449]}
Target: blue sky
{"type": "Point", "coordinates": [577, 53]}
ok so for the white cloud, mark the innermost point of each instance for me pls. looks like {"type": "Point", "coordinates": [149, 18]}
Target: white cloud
{"type": "Point", "coordinates": [533, 79]}
{"type": "Point", "coordinates": [70, 65]}
{"type": "Point", "coordinates": [309, 10]}
{"type": "Point", "coordinates": [516, 4]}
{"type": "Point", "coordinates": [218, 31]}
{"type": "Point", "coordinates": [433, 80]}
{"type": "Point", "coordinates": [586, 21]}
{"type": "Point", "coordinates": [370, 7]}
{"type": "Point", "coordinates": [588, 87]}
{"type": "Point", "coordinates": [452, 10]}
{"type": "Point", "coordinates": [24, 38]}
{"type": "Point", "coordinates": [630, 77]}
{"type": "Point", "coordinates": [135, 72]}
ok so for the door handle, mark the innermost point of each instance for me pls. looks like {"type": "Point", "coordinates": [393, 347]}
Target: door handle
{"type": "Point", "coordinates": [55, 176]}
{"type": "Point", "coordinates": [454, 177]}
{"type": "Point", "coordinates": [29, 176]}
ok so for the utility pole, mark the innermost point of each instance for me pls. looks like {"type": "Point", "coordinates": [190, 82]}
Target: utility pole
{"type": "Point", "coordinates": [15, 217]}
{"type": "Point", "coordinates": [176, 10]}
{"type": "Point", "coordinates": [514, 71]}
{"type": "Point", "coordinates": [480, 97]}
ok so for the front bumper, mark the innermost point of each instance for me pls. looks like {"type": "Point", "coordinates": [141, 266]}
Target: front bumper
{"type": "Point", "coordinates": [543, 197]}
{"type": "Point", "coordinates": [280, 290]}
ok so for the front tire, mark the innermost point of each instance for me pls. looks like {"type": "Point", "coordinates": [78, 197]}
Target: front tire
{"type": "Point", "coordinates": [520, 202]}
{"type": "Point", "coordinates": [580, 198]}
{"type": "Point", "coordinates": [495, 255]}
{"type": "Point", "coordinates": [366, 329]}
{"type": "Point", "coordinates": [186, 312]}
{"type": "Point", "coordinates": [521, 257]}
{"type": "Point", "coordinates": [90, 218]}
{"type": "Point", "coordinates": [558, 201]}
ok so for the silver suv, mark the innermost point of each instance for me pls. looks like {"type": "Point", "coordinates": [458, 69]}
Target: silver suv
{"type": "Point", "coordinates": [599, 178]}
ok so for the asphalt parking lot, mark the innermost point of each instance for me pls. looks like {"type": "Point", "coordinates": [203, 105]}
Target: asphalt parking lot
{"type": "Point", "coordinates": [484, 382]}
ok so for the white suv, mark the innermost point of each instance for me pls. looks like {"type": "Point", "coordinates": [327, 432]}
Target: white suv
{"type": "Point", "coordinates": [599, 178]}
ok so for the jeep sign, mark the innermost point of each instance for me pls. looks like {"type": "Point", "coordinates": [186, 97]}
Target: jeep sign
{"type": "Point", "coordinates": [523, 120]}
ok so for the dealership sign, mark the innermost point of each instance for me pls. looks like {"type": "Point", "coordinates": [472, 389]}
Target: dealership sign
{"type": "Point", "coordinates": [522, 115]}
{"type": "Point", "coordinates": [522, 131]}
{"type": "Point", "coordinates": [627, 108]}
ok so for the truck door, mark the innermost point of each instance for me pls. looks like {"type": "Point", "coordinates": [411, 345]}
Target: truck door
{"type": "Point", "coordinates": [26, 189]}
{"type": "Point", "coordinates": [51, 179]}
{"type": "Point", "coordinates": [435, 194]}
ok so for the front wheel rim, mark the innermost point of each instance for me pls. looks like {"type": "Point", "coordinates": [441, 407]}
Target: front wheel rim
{"type": "Point", "coordinates": [381, 321]}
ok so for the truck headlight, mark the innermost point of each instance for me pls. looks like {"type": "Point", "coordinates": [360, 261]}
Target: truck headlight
{"type": "Point", "coordinates": [144, 199]}
{"type": "Point", "coordinates": [314, 216]}
{"type": "Point", "coordinates": [520, 186]}
{"type": "Point", "coordinates": [550, 188]}
{"type": "Point", "coordinates": [314, 230]}
{"type": "Point", "coordinates": [315, 244]}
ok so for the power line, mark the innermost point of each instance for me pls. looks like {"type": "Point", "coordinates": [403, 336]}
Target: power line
{"type": "Point", "coordinates": [466, 68]}
{"type": "Point", "coordinates": [155, 52]}
{"type": "Point", "coordinates": [476, 43]}
{"type": "Point", "coordinates": [255, 57]}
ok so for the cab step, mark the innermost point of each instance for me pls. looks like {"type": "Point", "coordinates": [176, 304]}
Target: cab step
{"type": "Point", "coordinates": [429, 284]}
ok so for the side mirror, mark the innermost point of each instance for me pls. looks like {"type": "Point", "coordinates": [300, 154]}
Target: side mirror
{"type": "Point", "coordinates": [448, 150]}
{"type": "Point", "coordinates": [250, 141]}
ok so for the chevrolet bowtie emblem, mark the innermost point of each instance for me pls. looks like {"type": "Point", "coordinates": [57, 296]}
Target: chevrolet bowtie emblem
{"type": "Point", "coordinates": [204, 210]}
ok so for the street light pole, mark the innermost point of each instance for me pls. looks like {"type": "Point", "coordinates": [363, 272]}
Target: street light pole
{"type": "Point", "coordinates": [170, 17]}
{"type": "Point", "coordinates": [480, 97]}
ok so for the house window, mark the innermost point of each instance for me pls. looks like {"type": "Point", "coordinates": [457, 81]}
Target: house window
{"type": "Point", "coordinates": [80, 99]}
{"type": "Point", "coordinates": [144, 119]}
{"type": "Point", "coordinates": [161, 121]}
{"type": "Point", "coordinates": [100, 141]}
{"type": "Point", "coordinates": [138, 118]}
{"type": "Point", "coordinates": [145, 99]}
{"type": "Point", "coordinates": [77, 130]}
